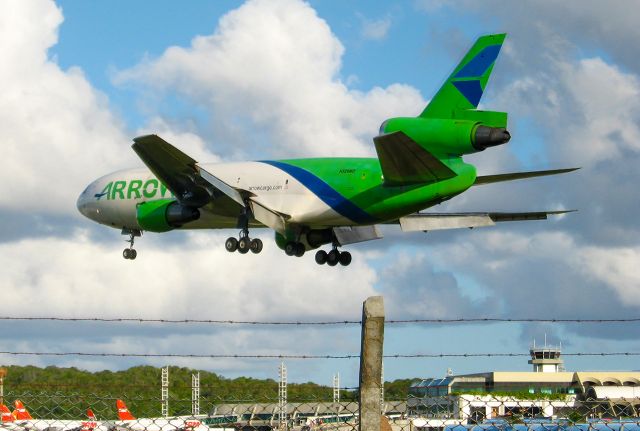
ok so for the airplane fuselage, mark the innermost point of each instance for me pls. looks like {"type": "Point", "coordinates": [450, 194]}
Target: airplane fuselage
{"type": "Point", "coordinates": [312, 192]}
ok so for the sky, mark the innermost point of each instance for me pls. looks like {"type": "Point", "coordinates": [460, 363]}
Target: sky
{"type": "Point", "coordinates": [229, 81]}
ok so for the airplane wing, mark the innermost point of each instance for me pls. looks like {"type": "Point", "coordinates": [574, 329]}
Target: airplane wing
{"type": "Point", "coordinates": [440, 221]}
{"type": "Point", "coordinates": [193, 185]}
{"type": "Point", "coordinates": [489, 179]}
{"type": "Point", "coordinates": [174, 168]}
{"type": "Point", "coordinates": [404, 162]}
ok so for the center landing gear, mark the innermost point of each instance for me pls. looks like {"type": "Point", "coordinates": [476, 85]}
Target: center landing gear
{"type": "Point", "coordinates": [296, 249]}
{"type": "Point", "coordinates": [243, 244]}
{"type": "Point", "coordinates": [333, 257]}
{"type": "Point", "coordinates": [130, 253]}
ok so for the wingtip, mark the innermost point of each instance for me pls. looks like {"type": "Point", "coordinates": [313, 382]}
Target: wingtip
{"type": "Point", "coordinates": [144, 137]}
{"type": "Point", "coordinates": [560, 212]}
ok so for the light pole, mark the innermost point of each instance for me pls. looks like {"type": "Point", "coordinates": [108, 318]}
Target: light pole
{"type": "Point", "coordinates": [3, 373]}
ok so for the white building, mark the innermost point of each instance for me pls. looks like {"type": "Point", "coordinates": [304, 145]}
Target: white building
{"type": "Point", "coordinates": [547, 391]}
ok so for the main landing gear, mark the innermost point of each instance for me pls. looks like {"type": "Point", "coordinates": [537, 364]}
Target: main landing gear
{"type": "Point", "coordinates": [130, 253]}
{"type": "Point", "coordinates": [243, 244]}
{"type": "Point", "coordinates": [333, 257]}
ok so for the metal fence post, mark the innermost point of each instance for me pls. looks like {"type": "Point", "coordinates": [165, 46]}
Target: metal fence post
{"type": "Point", "coordinates": [371, 363]}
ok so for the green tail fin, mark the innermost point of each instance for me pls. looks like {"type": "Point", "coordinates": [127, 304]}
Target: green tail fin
{"type": "Point", "coordinates": [464, 87]}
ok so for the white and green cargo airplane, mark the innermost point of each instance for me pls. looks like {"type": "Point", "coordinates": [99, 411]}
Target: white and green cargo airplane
{"type": "Point", "coordinates": [323, 201]}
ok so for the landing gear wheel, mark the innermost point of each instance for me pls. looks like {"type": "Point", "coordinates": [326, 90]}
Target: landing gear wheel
{"type": "Point", "coordinates": [243, 245]}
{"type": "Point", "coordinates": [300, 249]}
{"type": "Point", "coordinates": [333, 257]}
{"type": "Point", "coordinates": [290, 248]}
{"type": "Point", "coordinates": [345, 258]}
{"type": "Point", "coordinates": [321, 257]}
{"type": "Point", "coordinates": [129, 252]}
{"type": "Point", "coordinates": [255, 245]}
{"type": "Point", "coordinates": [231, 244]}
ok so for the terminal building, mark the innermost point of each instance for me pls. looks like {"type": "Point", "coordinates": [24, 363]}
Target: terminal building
{"type": "Point", "coordinates": [547, 391]}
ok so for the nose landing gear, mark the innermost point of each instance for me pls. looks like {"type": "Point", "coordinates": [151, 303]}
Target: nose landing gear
{"type": "Point", "coordinates": [130, 253]}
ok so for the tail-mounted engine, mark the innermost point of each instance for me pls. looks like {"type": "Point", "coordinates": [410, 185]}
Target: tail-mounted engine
{"type": "Point", "coordinates": [469, 132]}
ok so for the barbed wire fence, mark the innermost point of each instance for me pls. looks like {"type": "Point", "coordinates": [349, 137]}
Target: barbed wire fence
{"type": "Point", "coordinates": [432, 405]}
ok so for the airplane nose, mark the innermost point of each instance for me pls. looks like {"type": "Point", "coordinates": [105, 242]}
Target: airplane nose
{"type": "Point", "coordinates": [86, 205]}
{"type": "Point", "coordinates": [81, 204]}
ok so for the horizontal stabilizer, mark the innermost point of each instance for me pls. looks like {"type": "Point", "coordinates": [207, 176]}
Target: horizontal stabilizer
{"type": "Point", "coordinates": [353, 234]}
{"type": "Point", "coordinates": [404, 162]}
{"type": "Point", "coordinates": [441, 221]}
{"type": "Point", "coordinates": [489, 179]}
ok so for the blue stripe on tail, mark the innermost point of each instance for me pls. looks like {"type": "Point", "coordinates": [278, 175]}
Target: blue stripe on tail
{"type": "Point", "coordinates": [480, 63]}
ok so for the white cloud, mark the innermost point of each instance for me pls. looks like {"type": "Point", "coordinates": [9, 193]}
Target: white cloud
{"type": "Point", "coordinates": [188, 141]}
{"type": "Point", "coordinates": [589, 111]}
{"type": "Point", "coordinates": [56, 129]}
{"type": "Point", "coordinates": [191, 280]}
{"type": "Point", "coordinates": [277, 64]}
{"type": "Point", "coordinates": [617, 267]}
{"type": "Point", "coordinates": [413, 288]}
{"type": "Point", "coordinates": [547, 274]}
{"type": "Point", "coordinates": [375, 29]}
{"type": "Point", "coordinates": [609, 102]}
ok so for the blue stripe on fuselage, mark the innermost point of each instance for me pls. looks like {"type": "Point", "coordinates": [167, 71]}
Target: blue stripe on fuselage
{"type": "Point", "coordinates": [325, 192]}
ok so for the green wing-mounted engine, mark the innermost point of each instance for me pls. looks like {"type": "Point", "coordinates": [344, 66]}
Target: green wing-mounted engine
{"type": "Point", "coordinates": [164, 215]}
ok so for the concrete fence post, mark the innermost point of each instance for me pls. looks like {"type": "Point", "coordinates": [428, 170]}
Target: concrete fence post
{"type": "Point", "coordinates": [371, 363]}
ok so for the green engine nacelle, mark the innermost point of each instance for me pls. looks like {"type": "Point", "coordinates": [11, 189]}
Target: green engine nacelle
{"type": "Point", "coordinates": [164, 215]}
{"type": "Point", "coordinates": [456, 136]}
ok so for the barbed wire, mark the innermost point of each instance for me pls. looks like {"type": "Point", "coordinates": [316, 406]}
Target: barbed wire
{"type": "Point", "coordinates": [523, 320]}
{"type": "Point", "coordinates": [299, 356]}
{"type": "Point", "coordinates": [180, 321]}
{"type": "Point", "coordinates": [316, 323]}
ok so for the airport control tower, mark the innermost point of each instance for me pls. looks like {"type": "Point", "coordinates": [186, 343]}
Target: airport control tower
{"type": "Point", "coordinates": [546, 359]}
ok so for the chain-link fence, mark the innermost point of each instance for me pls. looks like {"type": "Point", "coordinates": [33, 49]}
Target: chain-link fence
{"type": "Point", "coordinates": [80, 411]}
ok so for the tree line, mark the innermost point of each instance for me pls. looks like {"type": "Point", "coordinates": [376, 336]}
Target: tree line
{"type": "Point", "coordinates": [66, 393]}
